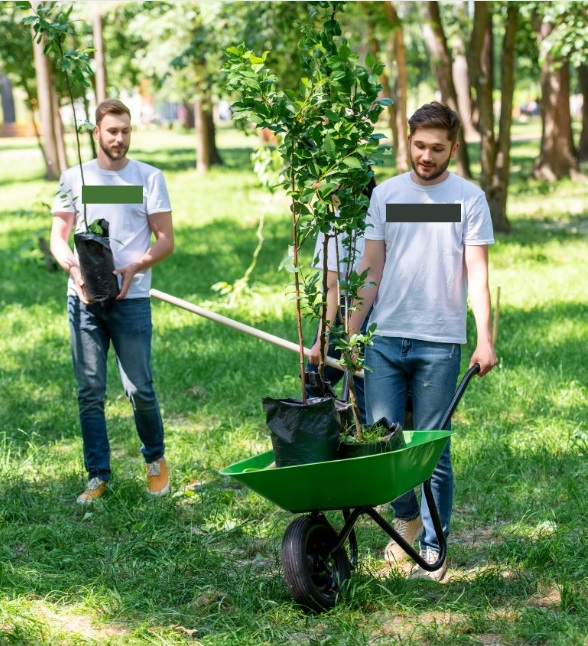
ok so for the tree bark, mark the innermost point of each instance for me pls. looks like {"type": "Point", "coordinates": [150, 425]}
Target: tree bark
{"type": "Point", "coordinates": [498, 194]}
{"type": "Point", "coordinates": [374, 46]}
{"type": "Point", "coordinates": [438, 49]}
{"type": "Point", "coordinates": [583, 82]}
{"type": "Point", "coordinates": [207, 153]}
{"type": "Point", "coordinates": [557, 157]}
{"type": "Point", "coordinates": [189, 116]}
{"type": "Point", "coordinates": [8, 111]}
{"type": "Point", "coordinates": [52, 133]}
{"type": "Point", "coordinates": [398, 55]}
{"type": "Point", "coordinates": [461, 79]}
{"type": "Point", "coordinates": [100, 68]}
{"type": "Point", "coordinates": [482, 84]}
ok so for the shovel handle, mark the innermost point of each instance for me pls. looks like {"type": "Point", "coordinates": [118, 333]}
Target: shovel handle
{"type": "Point", "coordinates": [458, 395]}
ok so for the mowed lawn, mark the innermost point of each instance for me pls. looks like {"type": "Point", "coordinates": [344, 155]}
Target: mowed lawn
{"type": "Point", "coordinates": [202, 566]}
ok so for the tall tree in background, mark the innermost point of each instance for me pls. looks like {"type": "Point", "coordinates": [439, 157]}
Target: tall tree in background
{"type": "Point", "coordinates": [397, 57]}
{"type": "Point", "coordinates": [494, 153]}
{"type": "Point", "coordinates": [461, 27]}
{"type": "Point", "coordinates": [557, 157]}
{"type": "Point", "coordinates": [50, 117]}
{"type": "Point", "coordinates": [583, 84]}
{"type": "Point", "coordinates": [384, 24]}
{"type": "Point", "coordinates": [441, 61]}
{"type": "Point", "coordinates": [563, 41]}
{"type": "Point", "coordinates": [99, 58]}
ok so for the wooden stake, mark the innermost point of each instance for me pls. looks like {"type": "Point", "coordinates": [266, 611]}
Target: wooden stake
{"type": "Point", "coordinates": [241, 327]}
{"type": "Point", "coordinates": [496, 316]}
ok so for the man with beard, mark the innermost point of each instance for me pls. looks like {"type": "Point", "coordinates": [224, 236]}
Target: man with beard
{"type": "Point", "coordinates": [421, 268]}
{"type": "Point", "coordinates": [125, 322]}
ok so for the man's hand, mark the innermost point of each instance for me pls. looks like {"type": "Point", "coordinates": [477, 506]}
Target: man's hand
{"type": "Point", "coordinates": [485, 355]}
{"type": "Point", "coordinates": [127, 272]}
{"type": "Point", "coordinates": [79, 284]}
{"type": "Point", "coordinates": [315, 353]}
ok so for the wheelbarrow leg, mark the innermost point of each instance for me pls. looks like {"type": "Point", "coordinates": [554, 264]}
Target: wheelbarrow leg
{"type": "Point", "coordinates": [409, 549]}
{"type": "Point", "coordinates": [353, 554]}
{"type": "Point", "coordinates": [431, 567]}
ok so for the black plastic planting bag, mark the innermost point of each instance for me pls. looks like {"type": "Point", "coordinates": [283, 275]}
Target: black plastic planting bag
{"type": "Point", "coordinates": [303, 433]}
{"type": "Point", "coordinates": [97, 264]}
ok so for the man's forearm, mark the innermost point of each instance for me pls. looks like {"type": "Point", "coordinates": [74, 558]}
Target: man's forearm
{"type": "Point", "coordinates": [480, 305]}
{"type": "Point", "coordinates": [157, 252]}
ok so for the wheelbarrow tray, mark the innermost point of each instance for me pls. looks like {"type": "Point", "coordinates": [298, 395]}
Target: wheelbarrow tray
{"type": "Point", "coordinates": [365, 481]}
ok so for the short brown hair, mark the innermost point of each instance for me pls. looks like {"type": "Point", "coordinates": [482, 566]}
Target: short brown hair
{"type": "Point", "coordinates": [436, 115]}
{"type": "Point", "coordinates": [110, 106]}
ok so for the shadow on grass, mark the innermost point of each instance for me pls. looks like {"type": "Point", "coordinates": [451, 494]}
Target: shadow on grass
{"type": "Point", "coordinates": [184, 159]}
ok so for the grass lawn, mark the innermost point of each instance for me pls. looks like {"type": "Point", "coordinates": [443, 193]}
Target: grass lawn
{"type": "Point", "coordinates": [202, 565]}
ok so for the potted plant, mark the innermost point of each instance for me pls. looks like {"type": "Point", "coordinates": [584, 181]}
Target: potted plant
{"type": "Point", "coordinates": [92, 243]}
{"type": "Point", "coordinates": [327, 144]}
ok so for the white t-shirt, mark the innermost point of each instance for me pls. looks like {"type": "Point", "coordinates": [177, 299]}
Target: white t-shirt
{"type": "Point", "coordinates": [129, 232]}
{"type": "Point", "coordinates": [343, 254]}
{"type": "Point", "coordinates": [423, 291]}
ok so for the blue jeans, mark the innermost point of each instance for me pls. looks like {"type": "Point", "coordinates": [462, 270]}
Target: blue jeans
{"type": "Point", "coordinates": [430, 370]}
{"type": "Point", "coordinates": [127, 325]}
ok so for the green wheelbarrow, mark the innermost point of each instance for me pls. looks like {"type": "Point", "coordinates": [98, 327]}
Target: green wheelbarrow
{"type": "Point", "coordinates": [315, 562]}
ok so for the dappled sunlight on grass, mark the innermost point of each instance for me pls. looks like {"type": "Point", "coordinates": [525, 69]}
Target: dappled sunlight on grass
{"type": "Point", "coordinates": [203, 563]}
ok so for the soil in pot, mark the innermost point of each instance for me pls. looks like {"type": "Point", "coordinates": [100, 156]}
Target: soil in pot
{"type": "Point", "coordinates": [380, 437]}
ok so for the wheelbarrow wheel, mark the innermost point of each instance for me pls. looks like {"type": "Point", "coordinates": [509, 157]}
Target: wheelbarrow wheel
{"type": "Point", "coordinates": [314, 575]}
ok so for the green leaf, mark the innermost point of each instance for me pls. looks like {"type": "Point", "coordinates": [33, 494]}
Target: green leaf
{"type": "Point", "coordinates": [330, 146]}
{"type": "Point", "coordinates": [352, 162]}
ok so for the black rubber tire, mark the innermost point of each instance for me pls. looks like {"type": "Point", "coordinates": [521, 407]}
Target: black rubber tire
{"type": "Point", "coordinates": [314, 576]}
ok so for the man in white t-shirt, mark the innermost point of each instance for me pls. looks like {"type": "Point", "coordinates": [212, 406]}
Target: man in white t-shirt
{"type": "Point", "coordinates": [126, 321]}
{"type": "Point", "coordinates": [421, 268]}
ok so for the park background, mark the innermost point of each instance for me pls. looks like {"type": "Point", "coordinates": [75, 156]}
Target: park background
{"type": "Point", "coordinates": [203, 565]}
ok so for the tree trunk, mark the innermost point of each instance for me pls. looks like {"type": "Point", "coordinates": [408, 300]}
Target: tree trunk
{"type": "Point", "coordinates": [100, 68]}
{"type": "Point", "coordinates": [53, 144]}
{"type": "Point", "coordinates": [482, 83]}
{"type": "Point", "coordinates": [463, 84]}
{"type": "Point", "coordinates": [557, 158]}
{"type": "Point", "coordinates": [58, 121]}
{"type": "Point", "coordinates": [442, 66]}
{"type": "Point", "coordinates": [189, 116]}
{"type": "Point", "coordinates": [8, 111]}
{"type": "Point", "coordinates": [207, 154]}
{"type": "Point", "coordinates": [498, 194]}
{"type": "Point", "coordinates": [374, 46]}
{"type": "Point", "coordinates": [583, 82]}
{"type": "Point", "coordinates": [398, 55]}
{"type": "Point", "coordinates": [462, 81]}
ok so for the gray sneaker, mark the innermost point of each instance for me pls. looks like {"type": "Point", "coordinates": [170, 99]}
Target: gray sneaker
{"type": "Point", "coordinates": [430, 555]}
{"type": "Point", "coordinates": [95, 488]}
{"type": "Point", "coordinates": [410, 530]}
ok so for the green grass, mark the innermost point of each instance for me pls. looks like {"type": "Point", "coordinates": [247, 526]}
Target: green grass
{"type": "Point", "coordinates": [202, 566]}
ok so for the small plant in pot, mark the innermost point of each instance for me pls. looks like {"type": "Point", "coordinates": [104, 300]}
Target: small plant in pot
{"type": "Point", "coordinates": [326, 141]}
{"type": "Point", "coordinates": [92, 242]}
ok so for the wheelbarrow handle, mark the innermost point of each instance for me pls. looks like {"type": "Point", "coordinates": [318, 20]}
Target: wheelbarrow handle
{"type": "Point", "coordinates": [458, 395]}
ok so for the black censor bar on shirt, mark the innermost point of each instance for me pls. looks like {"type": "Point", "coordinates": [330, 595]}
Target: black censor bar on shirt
{"type": "Point", "coordinates": [423, 212]}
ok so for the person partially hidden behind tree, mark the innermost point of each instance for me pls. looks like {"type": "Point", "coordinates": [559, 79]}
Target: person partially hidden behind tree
{"type": "Point", "coordinates": [418, 281]}
{"type": "Point", "coordinates": [124, 322]}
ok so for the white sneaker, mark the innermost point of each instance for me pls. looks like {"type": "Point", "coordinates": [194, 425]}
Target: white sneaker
{"type": "Point", "coordinates": [410, 530]}
{"type": "Point", "coordinates": [430, 555]}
